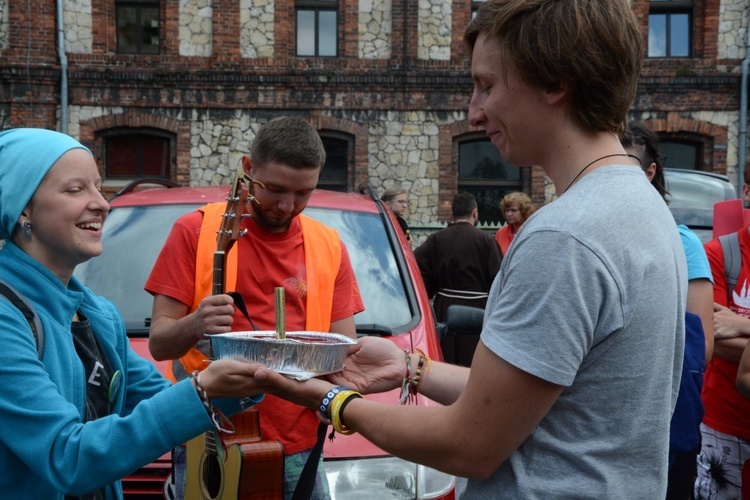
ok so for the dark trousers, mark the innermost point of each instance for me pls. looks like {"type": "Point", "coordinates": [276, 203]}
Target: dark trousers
{"type": "Point", "coordinates": [682, 475]}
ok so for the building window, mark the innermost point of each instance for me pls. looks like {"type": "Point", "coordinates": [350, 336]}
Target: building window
{"type": "Point", "coordinates": [683, 153]}
{"type": "Point", "coordinates": [137, 26]}
{"type": "Point", "coordinates": [317, 27]}
{"type": "Point", "coordinates": [336, 170]}
{"type": "Point", "coordinates": [137, 155]}
{"type": "Point", "coordinates": [670, 28]}
{"type": "Point", "coordinates": [486, 175]}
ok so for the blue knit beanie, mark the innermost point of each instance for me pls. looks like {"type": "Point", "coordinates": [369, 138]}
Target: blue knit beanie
{"type": "Point", "coordinates": [26, 155]}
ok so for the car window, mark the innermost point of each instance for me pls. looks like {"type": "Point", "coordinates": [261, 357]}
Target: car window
{"type": "Point", "coordinates": [374, 265]}
{"type": "Point", "coordinates": [133, 237]}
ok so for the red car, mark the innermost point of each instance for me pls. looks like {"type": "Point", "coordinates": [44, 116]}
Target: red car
{"type": "Point", "coordinates": [396, 307]}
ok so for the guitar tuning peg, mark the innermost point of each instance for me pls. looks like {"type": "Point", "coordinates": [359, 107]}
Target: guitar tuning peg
{"type": "Point", "coordinates": [245, 216]}
{"type": "Point", "coordinates": [242, 233]}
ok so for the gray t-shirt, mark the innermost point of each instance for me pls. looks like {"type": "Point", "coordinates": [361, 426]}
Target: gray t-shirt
{"type": "Point", "coordinates": [591, 296]}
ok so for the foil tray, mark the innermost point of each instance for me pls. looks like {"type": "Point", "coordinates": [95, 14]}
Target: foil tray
{"type": "Point", "coordinates": [302, 355]}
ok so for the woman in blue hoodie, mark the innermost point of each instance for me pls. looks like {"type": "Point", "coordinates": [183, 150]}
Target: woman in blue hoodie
{"type": "Point", "coordinates": [85, 411]}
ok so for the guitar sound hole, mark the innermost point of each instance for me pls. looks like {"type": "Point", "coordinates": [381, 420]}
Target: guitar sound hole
{"type": "Point", "coordinates": [212, 479]}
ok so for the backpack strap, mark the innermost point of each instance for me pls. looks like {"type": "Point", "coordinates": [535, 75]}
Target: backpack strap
{"type": "Point", "coordinates": [18, 300]}
{"type": "Point", "coordinates": [730, 245]}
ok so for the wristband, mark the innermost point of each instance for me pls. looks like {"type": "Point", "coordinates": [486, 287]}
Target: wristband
{"type": "Point", "coordinates": [325, 404]}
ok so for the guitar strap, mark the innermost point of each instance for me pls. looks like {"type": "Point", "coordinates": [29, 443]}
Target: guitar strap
{"type": "Point", "coordinates": [306, 482]}
{"type": "Point", "coordinates": [239, 302]}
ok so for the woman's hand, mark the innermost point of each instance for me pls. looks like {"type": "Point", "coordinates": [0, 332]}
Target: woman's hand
{"type": "Point", "coordinates": [372, 365]}
{"type": "Point", "coordinates": [225, 378]}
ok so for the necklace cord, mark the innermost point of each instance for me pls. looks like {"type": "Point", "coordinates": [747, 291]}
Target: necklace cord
{"type": "Point", "coordinates": [600, 158]}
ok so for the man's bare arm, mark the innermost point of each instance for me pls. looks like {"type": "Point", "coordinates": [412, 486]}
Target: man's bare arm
{"type": "Point", "coordinates": [345, 326]}
{"type": "Point", "coordinates": [174, 331]}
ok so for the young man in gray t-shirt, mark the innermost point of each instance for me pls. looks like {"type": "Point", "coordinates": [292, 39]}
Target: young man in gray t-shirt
{"type": "Point", "coordinates": [572, 385]}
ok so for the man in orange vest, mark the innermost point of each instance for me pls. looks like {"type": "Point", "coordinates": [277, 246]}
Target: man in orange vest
{"type": "Point", "coordinates": [281, 248]}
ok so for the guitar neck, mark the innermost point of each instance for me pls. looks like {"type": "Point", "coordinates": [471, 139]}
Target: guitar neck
{"type": "Point", "coordinates": [219, 278]}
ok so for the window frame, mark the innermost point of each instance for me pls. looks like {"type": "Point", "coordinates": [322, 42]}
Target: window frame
{"type": "Point", "coordinates": [696, 144]}
{"type": "Point", "coordinates": [138, 5]}
{"type": "Point", "coordinates": [316, 6]}
{"type": "Point", "coordinates": [507, 185]}
{"type": "Point", "coordinates": [342, 183]}
{"type": "Point", "coordinates": [128, 132]}
{"type": "Point", "coordinates": [668, 8]}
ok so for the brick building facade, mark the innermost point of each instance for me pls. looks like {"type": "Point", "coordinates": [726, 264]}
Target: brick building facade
{"type": "Point", "coordinates": [178, 88]}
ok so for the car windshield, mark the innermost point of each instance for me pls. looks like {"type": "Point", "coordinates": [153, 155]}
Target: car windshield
{"type": "Point", "coordinates": [133, 237]}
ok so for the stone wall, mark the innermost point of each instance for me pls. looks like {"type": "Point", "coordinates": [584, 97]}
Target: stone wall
{"type": "Point", "coordinates": [256, 28]}
{"type": "Point", "coordinates": [435, 29]}
{"type": "Point", "coordinates": [196, 28]}
{"type": "Point", "coordinates": [375, 25]}
{"type": "Point", "coordinates": [78, 26]}
{"type": "Point", "coordinates": [732, 29]}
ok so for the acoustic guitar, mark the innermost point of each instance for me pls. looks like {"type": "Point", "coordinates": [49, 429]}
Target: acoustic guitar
{"type": "Point", "coordinates": [240, 465]}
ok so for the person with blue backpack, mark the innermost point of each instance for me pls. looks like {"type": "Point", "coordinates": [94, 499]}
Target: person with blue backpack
{"type": "Point", "coordinates": [684, 431]}
{"type": "Point", "coordinates": [79, 409]}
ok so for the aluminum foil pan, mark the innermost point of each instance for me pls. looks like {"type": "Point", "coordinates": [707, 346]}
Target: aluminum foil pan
{"type": "Point", "coordinates": [302, 355]}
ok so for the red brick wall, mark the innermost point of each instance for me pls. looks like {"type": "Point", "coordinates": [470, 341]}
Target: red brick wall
{"type": "Point", "coordinates": [671, 91]}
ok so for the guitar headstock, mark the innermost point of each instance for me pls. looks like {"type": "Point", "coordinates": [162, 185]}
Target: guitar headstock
{"type": "Point", "coordinates": [230, 231]}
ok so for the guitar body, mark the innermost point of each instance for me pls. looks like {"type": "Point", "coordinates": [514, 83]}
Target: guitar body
{"type": "Point", "coordinates": [251, 469]}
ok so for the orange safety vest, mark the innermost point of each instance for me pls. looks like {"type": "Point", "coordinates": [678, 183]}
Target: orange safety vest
{"type": "Point", "coordinates": [322, 260]}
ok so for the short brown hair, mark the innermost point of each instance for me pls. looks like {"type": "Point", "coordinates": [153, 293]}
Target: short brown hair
{"type": "Point", "coordinates": [288, 140]}
{"type": "Point", "coordinates": [595, 47]}
{"type": "Point", "coordinates": [525, 206]}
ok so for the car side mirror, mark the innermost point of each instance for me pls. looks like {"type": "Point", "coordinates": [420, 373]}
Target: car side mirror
{"type": "Point", "coordinates": [464, 320]}
{"type": "Point", "coordinates": [459, 335]}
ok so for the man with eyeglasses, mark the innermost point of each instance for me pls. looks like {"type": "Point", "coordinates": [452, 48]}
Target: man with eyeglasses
{"type": "Point", "coordinates": [281, 248]}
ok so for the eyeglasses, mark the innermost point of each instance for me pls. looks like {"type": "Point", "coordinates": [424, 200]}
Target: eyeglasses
{"type": "Point", "coordinates": [257, 183]}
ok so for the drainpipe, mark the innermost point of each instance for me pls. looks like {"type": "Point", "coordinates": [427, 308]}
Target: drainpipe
{"type": "Point", "coordinates": [743, 112]}
{"type": "Point", "coordinates": [63, 69]}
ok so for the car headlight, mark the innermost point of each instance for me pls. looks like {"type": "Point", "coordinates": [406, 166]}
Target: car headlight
{"type": "Point", "coordinates": [384, 477]}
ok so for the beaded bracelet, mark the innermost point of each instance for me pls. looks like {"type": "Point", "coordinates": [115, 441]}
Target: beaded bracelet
{"type": "Point", "coordinates": [338, 404]}
{"type": "Point", "coordinates": [405, 396]}
{"type": "Point", "coordinates": [410, 384]}
{"type": "Point", "coordinates": [220, 421]}
{"type": "Point", "coordinates": [421, 371]}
